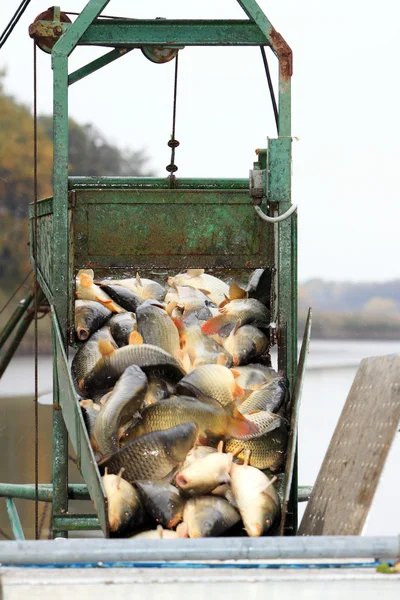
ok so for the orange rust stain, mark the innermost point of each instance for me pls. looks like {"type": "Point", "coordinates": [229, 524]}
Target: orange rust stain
{"type": "Point", "coordinates": [284, 53]}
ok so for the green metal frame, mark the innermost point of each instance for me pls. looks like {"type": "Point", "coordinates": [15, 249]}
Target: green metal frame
{"type": "Point", "coordinates": [59, 216]}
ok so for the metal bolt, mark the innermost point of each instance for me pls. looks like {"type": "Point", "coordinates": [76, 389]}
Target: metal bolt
{"type": "Point", "coordinates": [58, 29]}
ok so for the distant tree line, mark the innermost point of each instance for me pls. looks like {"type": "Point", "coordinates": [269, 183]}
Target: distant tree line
{"type": "Point", "coordinates": [90, 153]}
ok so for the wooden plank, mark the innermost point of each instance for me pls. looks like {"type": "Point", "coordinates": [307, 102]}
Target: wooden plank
{"type": "Point", "coordinates": [346, 484]}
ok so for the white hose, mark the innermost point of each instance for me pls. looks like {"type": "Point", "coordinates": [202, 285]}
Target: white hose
{"type": "Point", "coordinates": [282, 217]}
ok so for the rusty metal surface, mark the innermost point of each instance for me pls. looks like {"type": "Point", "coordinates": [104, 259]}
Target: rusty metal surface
{"type": "Point", "coordinates": [345, 487]}
{"type": "Point", "coordinates": [283, 52]}
{"type": "Point", "coordinates": [47, 28]}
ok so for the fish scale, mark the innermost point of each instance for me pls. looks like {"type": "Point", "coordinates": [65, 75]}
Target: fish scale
{"type": "Point", "coordinates": [209, 416]}
{"type": "Point", "coordinates": [88, 356]}
{"type": "Point", "coordinates": [125, 400]}
{"type": "Point", "coordinates": [214, 381]}
{"type": "Point", "coordinates": [268, 398]}
{"type": "Point", "coordinates": [157, 328]}
{"type": "Point", "coordinates": [156, 455]}
{"type": "Point", "coordinates": [215, 289]}
{"type": "Point", "coordinates": [109, 368]}
{"type": "Point", "coordinates": [268, 450]}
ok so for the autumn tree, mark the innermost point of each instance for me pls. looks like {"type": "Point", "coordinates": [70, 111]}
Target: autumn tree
{"type": "Point", "coordinates": [89, 154]}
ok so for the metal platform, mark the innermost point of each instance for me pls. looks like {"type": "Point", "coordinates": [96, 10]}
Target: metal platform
{"type": "Point", "coordinates": [96, 584]}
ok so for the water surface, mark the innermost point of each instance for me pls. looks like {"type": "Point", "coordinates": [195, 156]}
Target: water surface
{"type": "Point", "coordinates": [331, 368]}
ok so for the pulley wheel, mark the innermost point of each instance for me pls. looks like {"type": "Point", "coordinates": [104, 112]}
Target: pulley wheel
{"type": "Point", "coordinates": [46, 43]}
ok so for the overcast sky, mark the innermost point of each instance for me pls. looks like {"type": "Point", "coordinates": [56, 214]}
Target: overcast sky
{"type": "Point", "coordinates": [345, 112]}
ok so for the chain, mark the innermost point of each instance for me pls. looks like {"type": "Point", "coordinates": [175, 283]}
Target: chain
{"type": "Point", "coordinates": [173, 143]}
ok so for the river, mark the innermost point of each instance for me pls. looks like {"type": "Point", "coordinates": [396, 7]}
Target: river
{"type": "Point", "coordinates": [331, 367]}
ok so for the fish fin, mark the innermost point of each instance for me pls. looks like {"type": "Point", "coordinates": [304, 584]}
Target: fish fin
{"type": "Point", "coordinates": [253, 412]}
{"type": "Point", "coordinates": [181, 355]}
{"type": "Point", "coordinates": [81, 385]}
{"type": "Point", "coordinates": [123, 430]}
{"type": "Point", "coordinates": [106, 471]}
{"type": "Point", "coordinates": [139, 280]}
{"type": "Point", "coordinates": [236, 360]}
{"type": "Point", "coordinates": [222, 359]}
{"type": "Point", "coordinates": [87, 403]}
{"type": "Point", "coordinates": [246, 459]}
{"type": "Point", "coordinates": [135, 339]}
{"type": "Point", "coordinates": [238, 391]}
{"type": "Point", "coordinates": [236, 452]}
{"type": "Point", "coordinates": [110, 304]}
{"type": "Point", "coordinates": [235, 373]}
{"type": "Point", "coordinates": [93, 443]}
{"type": "Point", "coordinates": [86, 280]}
{"type": "Point", "coordinates": [194, 272]}
{"type": "Point", "coordinates": [224, 302]}
{"type": "Point", "coordinates": [268, 484]}
{"type": "Point", "coordinates": [170, 307]}
{"type": "Point", "coordinates": [120, 477]}
{"type": "Point", "coordinates": [177, 322]}
{"type": "Point", "coordinates": [237, 325]}
{"type": "Point", "coordinates": [182, 530]}
{"type": "Point", "coordinates": [192, 355]}
{"type": "Point", "coordinates": [220, 447]}
{"type": "Point", "coordinates": [105, 398]}
{"type": "Point", "coordinates": [214, 324]}
{"type": "Point", "coordinates": [105, 347]}
{"type": "Point", "coordinates": [87, 271]}
{"type": "Point", "coordinates": [239, 426]}
{"type": "Point", "coordinates": [160, 531]}
{"type": "Point", "coordinates": [236, 292]}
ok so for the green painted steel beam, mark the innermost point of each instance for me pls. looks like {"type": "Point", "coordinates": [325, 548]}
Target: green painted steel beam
{"type": "Point", "coordinates": [149, 32]}
{"type": "Point", "coordinates": [75, 183]}
{"type": "Point", "coordinates": [74, 32]}
{"type": "Point", "coordinates": [97, 64]}
{"type": "Point", "coordinates": [62, 283]}
{"type": "Point", "coordinates": [71, 417]}
{"type": "Point", "coordinates": [14, 319]}
{"type": "Point", "coordinates": [304, 492]}
{"type": "Point", "coordinates": [176, 32]}
{"type": "Point", "coordinates": [75, 522]}
{"type": "Point", "coordinates": [14, 519]}
{"type": "Point", "coordinates": [22, 328]}
{"type": "Point", "coordinates": [60, 447]}
{"type": "Point", "coordinates": [75, 491]}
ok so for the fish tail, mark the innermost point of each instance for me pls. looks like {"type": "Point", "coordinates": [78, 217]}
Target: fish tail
{"type": "Point", "coordinates": [239, 426]}
{"type": "Point", "coordinates": [215, 324]}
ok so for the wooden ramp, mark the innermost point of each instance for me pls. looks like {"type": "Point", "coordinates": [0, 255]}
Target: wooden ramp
{"type": "Point", "coordinates": [349, 475]}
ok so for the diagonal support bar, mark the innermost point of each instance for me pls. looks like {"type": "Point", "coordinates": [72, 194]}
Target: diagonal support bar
{"type": "Point", "coordinates": [97, 64]}
{"type": "Point", "coordinates": [14, 519]}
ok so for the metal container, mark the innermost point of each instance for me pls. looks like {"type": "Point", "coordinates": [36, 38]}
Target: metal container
{"type": "Point", "coordinates": [118, 226]}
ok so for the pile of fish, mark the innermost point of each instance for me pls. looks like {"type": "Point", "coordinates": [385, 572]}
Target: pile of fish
{"type": "Point", "coordinates": [182, 407]}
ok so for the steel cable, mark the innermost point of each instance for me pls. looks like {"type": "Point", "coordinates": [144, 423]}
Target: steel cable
{"type": "Point", "coordinates": [10, 27]}
{"type": "Point", "coordinates": [35, 291]}
{"type": "Point", "coordinates": [271, 87]}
